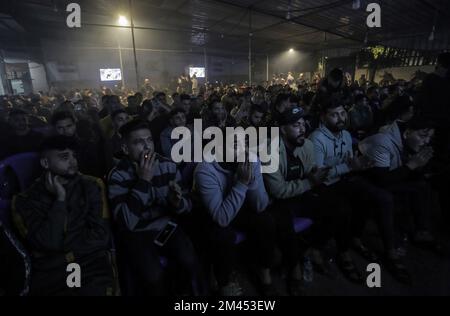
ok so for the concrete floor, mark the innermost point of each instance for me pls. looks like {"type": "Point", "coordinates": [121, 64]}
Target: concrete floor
{"type": "Point", "coordinates": [430, 272]}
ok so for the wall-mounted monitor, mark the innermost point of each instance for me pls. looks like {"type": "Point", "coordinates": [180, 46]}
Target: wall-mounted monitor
{"type": "Point", "coordinates": [110, 74]}
{"type": "Point", "coordinates": [198, 71]}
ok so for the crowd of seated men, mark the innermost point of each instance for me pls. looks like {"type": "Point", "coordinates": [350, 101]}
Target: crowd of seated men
{"type": "Point", "coordinates": [111, 199]}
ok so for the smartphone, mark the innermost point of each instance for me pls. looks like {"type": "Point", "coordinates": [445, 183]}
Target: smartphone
{"type": "Point", "coordinates": [164, 235]}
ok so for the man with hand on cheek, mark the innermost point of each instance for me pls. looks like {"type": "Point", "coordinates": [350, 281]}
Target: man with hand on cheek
{"type": "Point", "coordinates": [63, 218]}
{"type": "Point", "coordinates": [145, 199]}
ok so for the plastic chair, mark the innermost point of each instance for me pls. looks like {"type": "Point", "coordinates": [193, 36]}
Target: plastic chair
{"type": "Point", "coordinates": [9, 183]}
{"type": "Point", "coordinates": [26, 167]}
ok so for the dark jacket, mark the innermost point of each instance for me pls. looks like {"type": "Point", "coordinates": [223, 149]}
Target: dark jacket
{"type": "Point", "coordinates": [57, 233]}
{"type": "Point", "coordinates": [139, 205]}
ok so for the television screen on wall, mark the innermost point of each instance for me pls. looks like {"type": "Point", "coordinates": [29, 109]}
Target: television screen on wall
{"type": "Point", "coordinates": [110, 74]}
{"type": "Point", "coordinates": [198, 71]}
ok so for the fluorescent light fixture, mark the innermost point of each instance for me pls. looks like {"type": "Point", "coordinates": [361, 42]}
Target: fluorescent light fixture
{"type": "Point", "coordinates": [123, 21]}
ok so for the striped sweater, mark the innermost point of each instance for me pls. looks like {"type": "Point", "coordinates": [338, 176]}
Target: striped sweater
{"type": "Point", "coordinates": [139, 205]}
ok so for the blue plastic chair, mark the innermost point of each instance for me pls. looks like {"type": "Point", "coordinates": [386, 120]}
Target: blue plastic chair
{"type": "Point", "coordinates": [26, 167]}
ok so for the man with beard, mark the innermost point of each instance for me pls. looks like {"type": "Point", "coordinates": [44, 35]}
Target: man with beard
{"type": "Point", "coordinates": [331, 86]}
{"type": "Point", "coordinates": [63, 218]}
{"type": "Point", "coordinates": [146, 196]}
{"type": "Point", "coordinates": [281, 104]}
{"type": "Point", "coordinates": [234, 197]}
{"type": "Point", "coordinates": [216, 114]}
{"type": "Point", "coordinates": [295, 176]}
{"type": "Point", "coordinates": [256, 116]}
{"type": "Point", "coordinates": [333, 148]}
{"type": "Point", "coordinates": [120, 118]}
{"type": "Point", "coordinates": [400, 152]}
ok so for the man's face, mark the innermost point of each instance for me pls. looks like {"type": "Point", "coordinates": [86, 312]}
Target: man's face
{"type": "Point", "coordinates": [186, 104]}
{"type": "Point", "coordinates": [256, 118]}
{"type": "Point", "coordinates": [19, 123]}
{"type": "Point", "coordinates": [416, 140]}
{"type": "Point", "coordinates": [240, 148]}
{"type": "Point", "coordinates": [120, 120]}
{"type": "Point", "coordinates": [5, 106]}
{"type": "Point", "coordinates": [178, 120]}
{"type": "Point", "coordinates": [335, 119]}
{"type": "Point", "coordinates": [363, 102]}
{"type": "Point", "coordinates": [66, 127]}
{"type": "Point", "coordinates": [162, 99]}
{"type": "Point", "coordinates": [218, 111]}
{"type": "Point", "coordinates": [375, 94]}
{"type": "Point", "coordinates": [139, 143]}
{"type": "Point", "coordinates": [295, 133]}
{"type": "Point", "coordinates": [283, 106]}
{"type": "Point", "coordinates": [61, 162]}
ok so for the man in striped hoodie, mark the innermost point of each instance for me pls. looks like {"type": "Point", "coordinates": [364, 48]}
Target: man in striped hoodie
{"type": "Point", "coordinates": [145, 196]}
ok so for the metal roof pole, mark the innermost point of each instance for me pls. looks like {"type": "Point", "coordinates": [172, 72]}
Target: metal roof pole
{"type": "Point", "coordinates": [250, 47]}
{"type": "Point", "coordinates": [134, 46]}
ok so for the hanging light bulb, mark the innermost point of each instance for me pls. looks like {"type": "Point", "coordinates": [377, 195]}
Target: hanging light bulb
{"type": "Point", "coordinates": [356, 4]}
{"type": "Point", "coordinates": [431, 37]}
